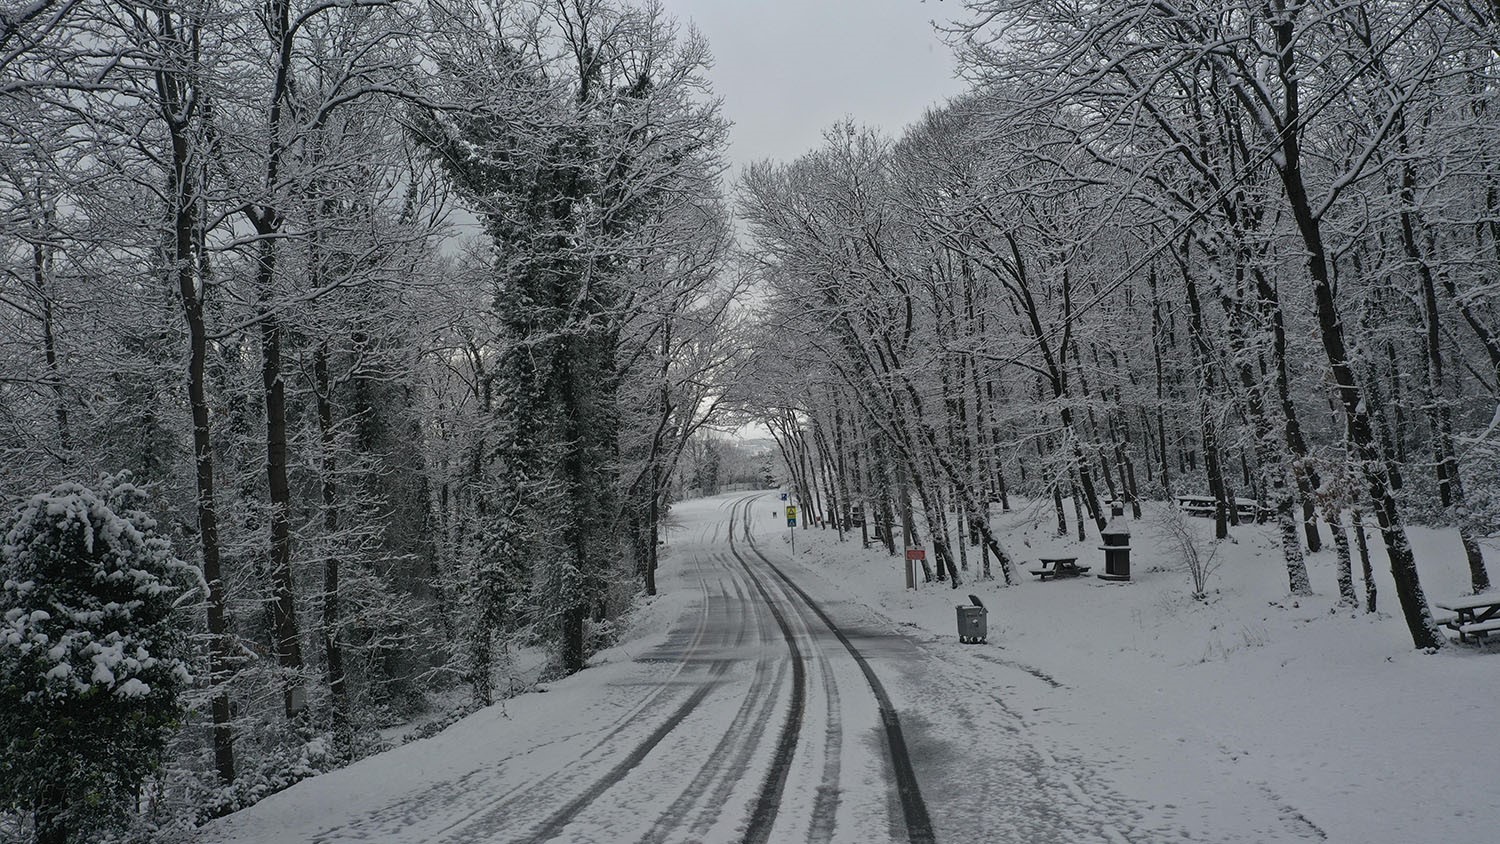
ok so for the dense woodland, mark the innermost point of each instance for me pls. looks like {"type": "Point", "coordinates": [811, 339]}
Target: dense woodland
{"type": "Point", "coordinates": [398, 314]}
{"type": "Point", "coordinates": [406, 321]}
{"type": "Point", "coordinates": [1236, 249]}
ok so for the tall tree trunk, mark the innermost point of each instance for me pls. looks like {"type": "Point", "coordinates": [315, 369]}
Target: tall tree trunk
{"type": "Point", "coordinates": [1158, 336]}
{"type": "Point", "coordinates": [1303, 475]}
{"type": "Point", "coordinates": [1077, 505]}
{"type": "Point", "coordinates": [656, 478]}
{"type": "Point", "coordinates": [863, 480]}
{"type": "Point", "coordinates": [268, 222]}
{"type": "Point", "coordinates": [179, 100]}
{"type": "Point", "coordinates": [1409, 592]}
{"type": "Point", "coordinates": [1440, 413]}
{"type": "Point", "coordinates": [932, 509]}
{"type": "Point", "coordinates": [1357, 523]}
{"type": "Point", "coordinates": [1203, 361]}
{"type": "Point", "coordinates": [41, 276]}
{"type": "Point", "coordinates": [1055, 367]}
{"type": "Point", "coordinates": [221, 646]}
{"type": "Point", "coordinates": [653, 528]}
{"type": "Point", "coordinates": [937, 525]}
{"type": "Point", "coordinates": [1395, 446]}
{"type": "Point", "coordinates": [830, 479]}
{"type": "Point", "coordinates": [808, 470]}
{"type": "Point", "coordinates": [908, 524]}
{"type": "Point", "coordinates": [333, 652]}
{"type": "Point", "coordinates": [443, 569]}
{"type": "Point", "coordinates": [1270, 456]}
{"type": "Point", "coordinates": [841, 472]}
{"type": "Point", "coordinates": [1345, 563]}
{"type": "Point", "coordinates": [573, 599]}
{"type": "Point", "coordinates": [287, 645]}
{"type": "Point", "coordinates": [887, 506]}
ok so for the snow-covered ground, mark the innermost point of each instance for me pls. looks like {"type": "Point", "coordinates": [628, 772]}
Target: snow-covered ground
{"type": "Point", "coordinates": [1247, 717]}
{"type": "Point", "coordinates": [1096, 712]}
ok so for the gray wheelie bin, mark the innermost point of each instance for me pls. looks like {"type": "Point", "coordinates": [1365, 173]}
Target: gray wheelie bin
{"type": "Point", "coordinates": [972, 622]}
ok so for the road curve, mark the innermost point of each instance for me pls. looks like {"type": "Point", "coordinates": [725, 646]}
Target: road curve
{"type": "Point", "coordinates": [913, 806]}
{"type": "Point", "coordinates": [712, 750]}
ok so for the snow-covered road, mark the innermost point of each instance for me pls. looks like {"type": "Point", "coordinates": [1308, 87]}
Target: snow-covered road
{"type": "Point", "coordinates": [755, 717]}
{"type": "Point", "coordinates": [759, 700]}
{"type": "Point", "coordinates": [759, 732]}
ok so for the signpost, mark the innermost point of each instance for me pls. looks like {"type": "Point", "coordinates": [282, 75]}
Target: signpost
{"type": "Point", "coordinates": [913, 556]}
{"type": "Point", "coordinates": [791, 523]}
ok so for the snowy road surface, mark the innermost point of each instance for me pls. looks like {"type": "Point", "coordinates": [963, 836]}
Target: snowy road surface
{"type": "Point", "coordinates": [767, 708]}
{"type": "Point", "coordinates": [751, 720]}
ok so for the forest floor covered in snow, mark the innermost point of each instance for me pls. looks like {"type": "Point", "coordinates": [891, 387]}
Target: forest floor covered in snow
{"type": "Point", "coordinates": [1096, 711]}
{"type": "Point", "coordinates": [1206, 711]}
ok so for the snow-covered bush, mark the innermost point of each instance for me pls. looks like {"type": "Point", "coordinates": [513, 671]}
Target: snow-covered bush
{"type": "Point", "coordinates": [91, 656]}
{"type": "Point", "coordinates": [283, 767]}
{"type": "Point", "coordinates": [1188, 548]}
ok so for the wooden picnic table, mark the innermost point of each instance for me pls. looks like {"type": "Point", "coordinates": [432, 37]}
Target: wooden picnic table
{"type": "Point", "coordinates": [1058, 567]}
{"type": "Point", "coordinates": [1474, 615]}
{"type": "Point", "coordinates": [1249, 508]}
{"type": "Point", "coordinates": [1196, 505]}
{"type": "Point", "coordinates": [1204, 505]}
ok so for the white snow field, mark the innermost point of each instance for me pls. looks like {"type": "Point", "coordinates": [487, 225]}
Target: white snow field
{"type": "Point", "coordinates": [1095, 712]}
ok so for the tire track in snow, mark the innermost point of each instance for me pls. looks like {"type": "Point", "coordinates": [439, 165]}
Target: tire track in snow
{"type": "Point", "coordinates": [826, 798]}
{"type": "Point", "coordinates": [733, 748]}
{"type": "Point", "coordinates": [763, 815]}
{"type": "Point", "coordinates": [1296, 823]}
{"type": "Point", "coordinates": [825, 806]}
{"type": "Point", "coordinates": [826, 801]}
{"type": "Point", "coordinates": [553, 825]}
{"type": "Point", "coordinates": [913, 806]}
{"type": "Point", "coordinates": [739, 764]}
{"type": "Point", "coordinates": [1035, 672]}
{"type": "Point", "coordinates": [405, 813]}
{"type": "Point", "coordinates": [496, 814]}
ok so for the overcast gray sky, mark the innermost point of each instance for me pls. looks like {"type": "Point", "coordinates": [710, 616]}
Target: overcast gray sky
{"type": "Point", "coordinates": [788, 69]}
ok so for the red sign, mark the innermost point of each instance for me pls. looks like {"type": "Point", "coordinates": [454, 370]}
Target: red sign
{"type": "Point", "coordinates": [916, 553]}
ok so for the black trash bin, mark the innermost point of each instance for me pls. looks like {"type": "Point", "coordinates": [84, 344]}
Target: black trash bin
{"type": "Point", "coordinates": [1116, 547]}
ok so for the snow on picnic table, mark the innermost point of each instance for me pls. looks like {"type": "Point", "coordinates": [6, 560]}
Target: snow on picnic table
{"type": "Point", "coordinates": [1211, 712]}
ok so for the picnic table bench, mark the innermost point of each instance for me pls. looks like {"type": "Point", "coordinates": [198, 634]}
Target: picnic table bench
{"type": "Point", "coordinates": [1249, 508]}
{"type": "Point", "coordinates": [1473, 615]}
{"type": "Point", "coordinates": [1058, 567]}
{"type": "Point", "coordinates": [1204, 505]}
{"type": "Point", "coordinates": [1196, 505]}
